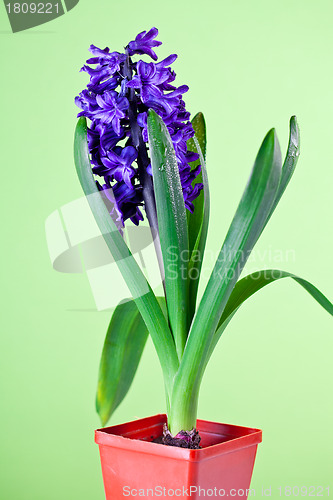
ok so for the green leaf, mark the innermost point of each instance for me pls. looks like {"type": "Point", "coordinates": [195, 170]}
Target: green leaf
{"type": "Point", "coordinates": [249, 285]}
{"type": "Point", "coordinates": [172, 225]}
{"type": "Point", "coordinates": [124, 343]}
{"type": "Point", "coordinates": [139, 287]}
{"type": "Point", "coordinates": [243, 233]}
{"type": "Point", "coordinates": [198, 221]}
{"type": "Point", "coordinates": [290, 162]}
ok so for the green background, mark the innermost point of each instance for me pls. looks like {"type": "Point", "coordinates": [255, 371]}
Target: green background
{"type": "Point", "coordinates": [250, 66]}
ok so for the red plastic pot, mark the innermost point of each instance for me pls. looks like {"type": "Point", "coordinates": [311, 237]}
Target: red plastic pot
{"type": "Point", "coordinates": [132, 465]}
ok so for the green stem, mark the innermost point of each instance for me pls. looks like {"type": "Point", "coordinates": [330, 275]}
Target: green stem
{"type": "Point", "coordinates": [183, 409]}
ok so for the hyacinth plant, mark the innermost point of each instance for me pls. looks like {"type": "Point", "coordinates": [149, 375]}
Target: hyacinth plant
{"type": "Point", "coordinates": [140, 153]}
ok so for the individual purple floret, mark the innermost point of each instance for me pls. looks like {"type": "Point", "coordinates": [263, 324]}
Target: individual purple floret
{"type": "Point", "coordinates": [143, 44]}
{"type": "Point", "coordinates": [116, 101]}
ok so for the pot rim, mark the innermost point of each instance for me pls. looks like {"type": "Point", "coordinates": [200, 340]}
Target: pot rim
{"type": "Point", "coordinates": [133, 436]}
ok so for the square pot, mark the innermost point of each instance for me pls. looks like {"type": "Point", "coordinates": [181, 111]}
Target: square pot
{"type": "Point", "coordinates": [132, 465]}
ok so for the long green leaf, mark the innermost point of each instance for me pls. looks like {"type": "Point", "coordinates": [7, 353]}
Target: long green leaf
{"type": "Point", "coordinates": [198, 221]}
{"type": "Point", "coordinates": [289, 163]}
{"type": "Point", "coordinates": [143, 295]}
{"type": "Point", "coordinates": [249, 285]}
{"type": "Point", "coordinates": [244, 231]}
{"type": "Point", "coordinates": [172, 225]}
{"type": "Point", "coordinates": [124, 343]}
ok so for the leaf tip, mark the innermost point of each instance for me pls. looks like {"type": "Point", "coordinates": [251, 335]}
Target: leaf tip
{"type": "Point", "coordinates": [199, 116]}
{"type": "Point", "coordinates": [271, 139]}
{"type": "Point", "coordinates": [271, 146]}
{"type": "Point", "coordinates": [81, 123]}
{"type": "Point", "coordinates": [294, 130]}
{"type": "Point", "coordinates": [103, 415]}
{"type": "Point", "coordinates": [152, 114]}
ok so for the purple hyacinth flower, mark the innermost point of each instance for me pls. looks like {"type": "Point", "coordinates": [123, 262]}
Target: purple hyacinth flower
{"type": "Point", "coordinates": [109, 138]}
{"type": "Point", "coordinates": [87, 102]}
{"type": "Point", "coordinates": [164, 104]}
{"type": "Point", "coordinates": [99, 88]}
{"type": "Point", "coordinates": [142, 122]}
{"type": "Point", "coordinates": [191, 194]}
{"type": "Point", "coordinates": [111, 204]}
{"type": "Point", "coordinates": [143, 43]}
{"type": "Point", "coordinates": [107, 64]}
{"type": "Point", "coordinates": [112, 59]}
{"type": "Point", "coordinates": [149, 76]}
{"type": "Point", "coordinates": [118, 164]}
{"type": "Point", "coordinates": [129, 201]}
{"type": "Point", "coordinates": [111, 109]}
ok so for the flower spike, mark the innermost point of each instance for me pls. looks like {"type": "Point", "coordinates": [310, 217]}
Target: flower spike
{"type": "Point", "coordinates": [116, 101]}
